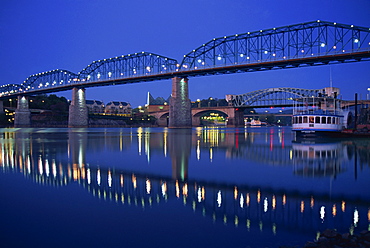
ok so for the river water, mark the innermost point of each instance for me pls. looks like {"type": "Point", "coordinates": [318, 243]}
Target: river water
{"type": "Point", "coordinates": [159, 187]}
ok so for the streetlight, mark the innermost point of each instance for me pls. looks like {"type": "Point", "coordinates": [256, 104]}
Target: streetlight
{"type": "Point", "coordinates": [367, 95]}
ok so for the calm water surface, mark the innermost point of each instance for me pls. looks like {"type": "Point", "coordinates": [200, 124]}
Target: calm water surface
{"type": "Point", "coordinates": [155, 187]}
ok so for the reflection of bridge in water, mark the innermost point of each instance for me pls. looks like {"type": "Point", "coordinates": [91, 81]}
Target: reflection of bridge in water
{"type": "Point", "coordinates": [43, 160]}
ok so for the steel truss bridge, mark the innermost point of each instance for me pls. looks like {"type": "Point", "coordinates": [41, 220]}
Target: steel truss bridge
{"type": "Point", "coordinates": [299, 45]}
{"type": "Point", "coordinates": [276, 97]}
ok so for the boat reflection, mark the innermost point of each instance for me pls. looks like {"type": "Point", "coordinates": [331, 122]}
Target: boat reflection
{"type": "Point", "coordinates": [49, 158]}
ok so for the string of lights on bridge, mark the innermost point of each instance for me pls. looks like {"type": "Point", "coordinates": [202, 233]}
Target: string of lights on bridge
{"type": "Point", "coordinates": [290, 46]}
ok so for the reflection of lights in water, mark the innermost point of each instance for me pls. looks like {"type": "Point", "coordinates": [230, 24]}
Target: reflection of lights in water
{"type": "Point", "coordinates": [235, 193]}
{"type": "Point", "coordinates": [54, 168]}
{"type": "Point", "coordinates": [236, 220]}
{"type": "Point", "coordinates": [273, 202]}
{"type": "Point", "coordinates": [199, 193]}
{"type": "Point", "coordinates": [343, 206]}
{"type": "Point", "coordinates": [98, 179]}
{"type": "Point", "coordinates": [211, 154]}
{"type": "Point", "coordinates": [258, 196]}
{"type": "Point", "coordinates": [40, 166]}
{"type": "Point", "coordinates": [247, 199]}
{"type": "Point", "coordinates": [225, 219]}
{"type": "Point", "coordinates": [368, 215]}
{"type": "Point", "coordinates": [203, 193]}
{"type": "Point", "coordinates": [121, 179]}
{"type": "Point", "coordinates": [355, 217]}
{"type": "Point", "coordinates": [241, 201]}
{"type": "Point", "coordinates": [334, 210]}
{"type": "Point", "coordinates": [219, 198]}
{"type": "Point", "coordinates": [351, 230]}
{"type": "Point", "coordinates": [133, 179]}
{"type": "Point", "coordinates": [284, 199]}
{"type": "Point", "coordinates": [312, 202]}
{"type": "Point", "coordinates": [302, 206]}
{"type": "Point", "coordinates": [88, 176]}
{"type": "Point", "coordinates": [177, 189]}
{"type": "Point", "coordinates": [322, 213]}
{"type": "Point", "coordinates": [274, 228]}
{"type": "Point", "coordinates": [261, 226]}
{"type": "Point", "coordinates": [148, 186]}
{"type": "Point", "coordinates": [165, 137]}
{"type": "Point", "coordinates": [76, 172]}
{"type": "Point", "coordinates": [109, 178]}
{"type": "Point", "coordinates": [28, 165]}
{"type": "Point", "coordinates": [139, 136]}
{"type": "Point", "coordinates": [164, 189]}
{"type": "Point", "coordinates": [185, 189]}
{"type": "Point", "coordinates": [47, 169]}
{"type": "Point", "coordinates": [248, 224]}
{"type": "Point", "coordinates": [198, 149]}
{"type": "Point", "coordinates": [265, 205]}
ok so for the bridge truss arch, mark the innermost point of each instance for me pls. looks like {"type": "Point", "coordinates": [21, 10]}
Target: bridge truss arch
{"type": "Point", "coordinates": [289, 45]}
{"type": "Point", "coordinates": [282, 96]}
{"type": "Point", "coordinates": [126, 66]}
{"type": "Point", "coordinates": [42, 81]}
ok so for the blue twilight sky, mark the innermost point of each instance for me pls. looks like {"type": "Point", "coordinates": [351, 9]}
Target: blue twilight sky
{"type": "Point", "coordinates": [43, 35]}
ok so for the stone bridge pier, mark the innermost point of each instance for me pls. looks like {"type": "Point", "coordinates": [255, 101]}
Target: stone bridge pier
{"type": "Point", "coordinates": [180, 105]}
{"type": "Point", "coordinates": [78, 114]}
{"type": "Point", "coordinates": [22, 116]}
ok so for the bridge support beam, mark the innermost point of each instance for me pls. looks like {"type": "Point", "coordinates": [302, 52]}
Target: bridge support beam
{"type": "Point", "coordinates": [22, 116]}
{"type": "Point", "coordinates": [180, 106]}
{"type": "Point", "coordinates": [237, 118]}
{"type": "Point", "coordinates": [78, 116]}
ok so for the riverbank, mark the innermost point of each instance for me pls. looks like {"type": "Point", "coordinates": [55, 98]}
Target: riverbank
{"type": "Point", "coordinates": [331, 238]}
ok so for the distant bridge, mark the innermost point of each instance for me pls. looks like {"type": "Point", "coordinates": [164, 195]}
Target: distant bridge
{"type": "Point", "coordinates": [306, 44]}
{"type": "Point", "coordinates": [272, 97]}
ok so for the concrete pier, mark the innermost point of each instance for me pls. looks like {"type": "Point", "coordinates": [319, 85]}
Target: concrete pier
{"type": "Point", "coordinates": [78, 115]}
{"type": "Point", "coordinates": [180, 105]}
{"type": "Point", "coordinates": [236, 119]}
{"type": "Point", "coordinates": [22, 116]}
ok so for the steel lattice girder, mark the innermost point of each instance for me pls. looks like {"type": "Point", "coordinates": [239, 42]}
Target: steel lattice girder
{"type": "Point", "coordinates": [9, 89]}
{"type": "Point", "coordinates": [306, 44]}
{"type": "Point", "coordinates": [306, 40]}
{"type": "Point", "coordinates": [271, 97]}
{"type": "Point", "coordinates": [45, 80]}
{"type": "Point", "coordinates": [131, 65]}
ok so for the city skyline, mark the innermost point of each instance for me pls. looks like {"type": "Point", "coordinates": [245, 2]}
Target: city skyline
{"type": "Point", "coordinates": [43, 35]}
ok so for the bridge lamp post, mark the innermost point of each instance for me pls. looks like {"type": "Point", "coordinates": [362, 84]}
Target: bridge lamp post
{"type": "Point", "coordinates": [198, 101]}
{"type": "Point", "coordinates": [368, 93]}
{"type": "Point", "coordinates": [209, 101]}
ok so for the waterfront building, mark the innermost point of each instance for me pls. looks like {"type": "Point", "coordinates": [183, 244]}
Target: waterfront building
{"type": "Point", "coordinates": [95, 106]}
{"type": "Point", "coordinates": [115, 107]}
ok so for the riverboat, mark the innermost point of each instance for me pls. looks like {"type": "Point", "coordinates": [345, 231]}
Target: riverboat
{"type": "Point", "coordinates": [256, 123]}
{"type": "Point", "coordinates": [322, 115]}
